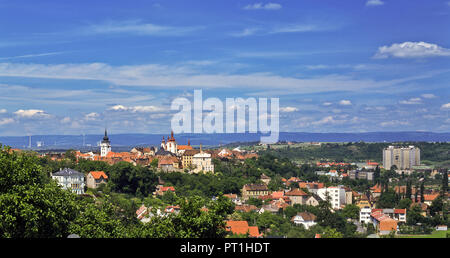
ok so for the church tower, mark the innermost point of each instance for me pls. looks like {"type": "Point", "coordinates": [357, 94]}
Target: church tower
{"type": "Point", "coordinates": [171, 144]}
{"type": "Point", "coordinates": [105, 146]}
{"type": "Point", "coordinates": [163, 144]}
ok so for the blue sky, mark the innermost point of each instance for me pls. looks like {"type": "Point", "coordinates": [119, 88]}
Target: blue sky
{"type": "Point", "coordinates": [73, 67]}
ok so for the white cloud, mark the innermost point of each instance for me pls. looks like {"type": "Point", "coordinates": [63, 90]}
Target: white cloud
{"type": "Point", "coordinates": [345, 102]}
{"type": "Point", "coordinates": [136, 109]}
{"type": "Point", "coordinates": [136, 27]}
{"type": "Point", "coordinates": [411, 50]}
{"type": "Point", "coordinates": [296, 28]}
{"type": "Point", "coordinates": [31, 113]}
{"type": "Point", "coordinates": [31, 55]}
{"type": "Point", "coordinates": [325, 120]}
{"type": "Point", "coordinates": [394, 123]}
{"type": "Point", "coordinates": [411, 101]}
{"type": "Point", "coordinates": [2, 111]}
{"type": "Point", "coordinates": [5, 121]}
{"type": "Point", "coordinates": [261, 6]}
{"type": "Point", "coordinates": [245, 32]}
{"type": "Point", "coordinates": [374, 3]}
{"type": "Point", "coordinates": [428, 96]}
{"type": "Point", "coordinates": [288, 109]}
{"type": "Point", "coordinates": [446, 106]}
{"type": "Point", "coordinates": [163, 76]}
{"type": "Point", "coordinates": [336, 110]}
{"type": "Point", "coordinates": [91, 116]}
{"type": "Point", "coordinates": [66, 120]}
{"type": "Point", "coordinates": [327, 103]}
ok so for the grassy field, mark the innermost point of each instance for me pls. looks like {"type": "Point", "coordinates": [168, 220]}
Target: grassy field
{"type": "Point", "coordinates": [434, 234]}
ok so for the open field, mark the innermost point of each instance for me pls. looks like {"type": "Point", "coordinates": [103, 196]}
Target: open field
{"type": "Point", "coordinates": [434, 234]}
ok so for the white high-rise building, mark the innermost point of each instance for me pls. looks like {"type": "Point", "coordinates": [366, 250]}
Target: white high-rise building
{"type": "Point", "coordinates": [105, 146]}
{"type": "Point", "coordinates": [401, 157]}
{"type": "Point", "coordinates": [335, 194]}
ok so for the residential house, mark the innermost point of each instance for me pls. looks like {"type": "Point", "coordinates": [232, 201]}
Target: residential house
{"type": "Point", "coordinates": [397, 214]}
{"type": "Point", "coordinates": [312, 200]}
{"type": "Point", "coordinates": [265, 179]}
{"type": "Point", "coordinates": [383, 223]}
{"type": "Point", "coordinates": [161, 190]}
{"type": "Point", "coordinates": [234, 198]}
{"type": "Point", "coordinates": [297, 196]}
{"type": "Point", "coordinates": [242, 228]}
{"type": "Point", "coordinates": [254, 190]}
{"type": "Point", "coordinates": [95, 178]}
{"type": "Point", "coordinates": [376, 190]}
{"type": "Point", "coordinates": [245, 208]}
{"type": "Point", "coordinates": [429, 198]}
{"type": "Point", "coordinates": [70, 179]}
{"type": "Point", "coordinates": [306, 219]}
{"type": "Point", "coordinates": [364, 215]}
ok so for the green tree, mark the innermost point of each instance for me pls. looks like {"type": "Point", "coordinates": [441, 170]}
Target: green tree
{"type": "Point", "coordinates": [97, 222]}
{"type": "Point", "coordinates": [351, 211]}
{"type": "Point", "coordinates": [255, 201]}
{"type": "Point", "coordinates": [331, 233]}
{"type": "Point", "coordinates": [388, 199]}
{"type": "Point", "coordinates": [445, 182]}
{"type": "Point", "coordinates": [191, 222]}
{"type": "Point", "coordinates": [422, 192]}
{"type": "Point", "coordinates": [169, 197]}
{"type": "Point", "coordinates": [32, 205]}
{"type": "Point", "coordinates": [70, 154]}
{"type": "Point", "coordinates": [404, 203]}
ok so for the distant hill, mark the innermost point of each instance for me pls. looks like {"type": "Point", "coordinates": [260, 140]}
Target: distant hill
{"type": "Point", "coordinates": [126, 140]}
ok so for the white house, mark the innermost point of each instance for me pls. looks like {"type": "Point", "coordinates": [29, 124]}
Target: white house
{"type": "Point", "coordinates": [304, 218]}
{"type": "Point", "coordinates": [70, 179]}
{"type": "Point", "coordinates": [202, 162]}
{"type": "Point", "coordinates": [364, 215]}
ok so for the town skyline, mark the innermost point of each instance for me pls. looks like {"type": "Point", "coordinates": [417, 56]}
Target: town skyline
{"type": "Point", "coordinates": [363, 66]}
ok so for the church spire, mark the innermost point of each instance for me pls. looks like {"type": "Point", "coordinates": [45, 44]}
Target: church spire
{"type": "Point", "coordinates": [105, 138]}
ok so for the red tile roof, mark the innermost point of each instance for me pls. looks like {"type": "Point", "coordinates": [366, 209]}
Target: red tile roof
{"type": "Point", "coordinates": [296, 192]}
{"type": "Point", "coordinates": [430, 197]}
{"type": "Point", "coordinates": [242, 227]}
{"type": "Point", "coordinates": [98, 174]}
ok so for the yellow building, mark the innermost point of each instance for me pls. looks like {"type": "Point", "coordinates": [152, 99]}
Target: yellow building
{"type": "Point", "coordinates": [186, 159]}
{"type": "Point", "coordinates": [254, 191]}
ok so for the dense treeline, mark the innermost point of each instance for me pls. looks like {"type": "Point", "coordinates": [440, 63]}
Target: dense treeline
{"type": "Point", "coordinates": [360, 151]}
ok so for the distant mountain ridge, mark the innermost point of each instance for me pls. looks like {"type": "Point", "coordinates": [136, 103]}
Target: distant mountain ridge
{"type": "Point", "coordinates": [126, 140]}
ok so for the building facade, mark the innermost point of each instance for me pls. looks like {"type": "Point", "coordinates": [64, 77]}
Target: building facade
{"type": "Point", "coordinates": [335, 194]}
{"type": "Point", "coordinates": [95, 178]}
{"type": "Point", "coordinates": [401, 157]}
{"type": "Point", "coordinates": [70, 179]}
{"type": "Point", "coordinates": [202, 161]}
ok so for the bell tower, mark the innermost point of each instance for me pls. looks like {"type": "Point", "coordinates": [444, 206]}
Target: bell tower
{"type": "Point", "coordinates": [105, 145]}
